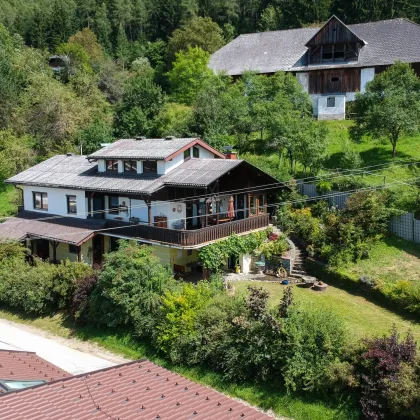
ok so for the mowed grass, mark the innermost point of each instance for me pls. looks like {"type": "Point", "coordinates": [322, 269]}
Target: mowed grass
{"type": "Point", "coordinates": [391, 259]}
{"type": "Point", "coordinates": [272, 399]}
{"type": "Point", "coordinates": [362, 317]}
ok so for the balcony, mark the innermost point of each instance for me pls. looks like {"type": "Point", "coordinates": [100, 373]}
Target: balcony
{"type": "Point", "coordinates": [189, 238]}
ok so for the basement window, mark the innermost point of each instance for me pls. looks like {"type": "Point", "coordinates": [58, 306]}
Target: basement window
{"type": "Point", "coordinates": [331, 102]}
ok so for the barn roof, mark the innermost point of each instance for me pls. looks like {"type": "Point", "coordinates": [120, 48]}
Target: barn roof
{"type": "Point", "coordinates": [134, 390]}
{"type": "Point", "coordinates": [386, 41]}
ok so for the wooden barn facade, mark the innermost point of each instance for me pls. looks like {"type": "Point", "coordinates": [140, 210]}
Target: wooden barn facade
{"type": "Point", "coordinates": [332, 62]}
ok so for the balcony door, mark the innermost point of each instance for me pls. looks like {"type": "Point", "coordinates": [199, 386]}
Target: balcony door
{"type": "Point", "coordinates": [257, 204]}
{"type": "Point", "coordinates": [98, 208]}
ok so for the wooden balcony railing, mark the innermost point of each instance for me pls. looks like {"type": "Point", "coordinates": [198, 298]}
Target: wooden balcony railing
{"type": "Point", "coordinates": [192, 237]}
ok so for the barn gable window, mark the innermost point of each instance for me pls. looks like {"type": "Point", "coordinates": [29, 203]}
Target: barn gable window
{"type": "Point", "coordinates": [334, 42]}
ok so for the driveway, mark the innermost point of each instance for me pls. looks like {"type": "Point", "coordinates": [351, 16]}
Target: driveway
{"type": "Point", "coordinates": [72, 355]}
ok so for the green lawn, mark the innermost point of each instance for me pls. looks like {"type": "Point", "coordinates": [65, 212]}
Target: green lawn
{"type": "Point", "coordinates": [121, 342]}
{"type": "Point", "coordinates": [8, 200]}
{"type": "Point", "coordinates": [363, 317]}
{"type": "Point", "coordinates": [391, 259]}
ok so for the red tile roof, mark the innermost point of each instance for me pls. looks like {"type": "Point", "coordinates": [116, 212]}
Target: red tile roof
{"type": "Point", "coordinates": [134, 390]}
{"type": "Point", "coordinates": [27, 366]}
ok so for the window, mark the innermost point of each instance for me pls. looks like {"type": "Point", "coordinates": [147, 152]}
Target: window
{"type": "Point", "coordinates": [257, 205]}
{"type": "Point", "coordinates": [10, 385]}
{"type": "Point", "coordinates": [114, 205]}
{"type": "Point", "coordinates": [130, 166]}
{"type": "Point", "coordinates": [71, 204]}
{"type": "Point", "coordinates": [187, 153]}
{"type": "Point", "coordinates": [335, 79]}
{"type": "Point", "coordinates": [331, 102]}
{"type": "Point", "coordinates": [112, 165]}
{"type": "Point", "coordinates": [40, 201]}
{"type": "Point", "coordinates": [327, 53]}
{"type": "Point", "coordinates": [73, 249]}
{"type": "Point", "coordinates": [196, 152]}
{"type": "Point", "coordinates": [150, 167]}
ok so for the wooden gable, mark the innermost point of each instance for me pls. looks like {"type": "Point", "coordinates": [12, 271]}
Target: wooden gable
{"type": "Point", "coordinates": [334, 32]}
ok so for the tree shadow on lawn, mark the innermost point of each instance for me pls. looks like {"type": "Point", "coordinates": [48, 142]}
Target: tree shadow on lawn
{"type": "Point", "coordinates": [372, 156]}
{"type": "Point", "coordinates": [408, 247]}
{"type": "Point", "coordinates": [347, 284]}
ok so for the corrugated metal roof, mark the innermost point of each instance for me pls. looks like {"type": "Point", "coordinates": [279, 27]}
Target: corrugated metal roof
{"type": "Point", "coordinates": [69, 230]}
{"type": "Point", "coordinates": [136, 390]}
{"type": "Point", "coordinates": [141, 149]}
{"type": "Point", "coordinates": [27, 366]}
{"type": "Point", "coordinates": [268, 52]}
{"type": "Point", "coordinates": [76, 172]}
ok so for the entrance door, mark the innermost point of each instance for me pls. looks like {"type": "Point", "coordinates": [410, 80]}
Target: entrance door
{"type": "Point", "coordinates": [43, 249]}
{"type": "Point", "coordinates": [98, 208]}
{"type": "Point", "coordinates": [98, 249]}
{"type": "Point", "coordinates": [193, 221]}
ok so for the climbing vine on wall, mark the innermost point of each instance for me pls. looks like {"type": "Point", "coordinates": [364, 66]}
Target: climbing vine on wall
{"type": "Point", "coordinates": [215, 255]}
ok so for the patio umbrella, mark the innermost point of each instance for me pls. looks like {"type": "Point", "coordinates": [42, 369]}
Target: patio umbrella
{"type": "Point", "coordinates": [231, 208]}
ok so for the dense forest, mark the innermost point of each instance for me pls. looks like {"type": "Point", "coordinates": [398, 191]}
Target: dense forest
{"type": "Point", "coordinates": [139, 67]}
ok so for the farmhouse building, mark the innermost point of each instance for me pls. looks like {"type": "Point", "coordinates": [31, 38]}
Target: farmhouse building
{"type": "Point", "coordinates": [332, 62]}
{"type": "Point", "coordinates": [178, 194]}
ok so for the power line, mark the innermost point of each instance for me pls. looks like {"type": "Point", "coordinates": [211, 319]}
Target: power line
{"type": "Point", "coordinates": [244, 190]}
{"type": "Point", "coordinates": [316, 198]}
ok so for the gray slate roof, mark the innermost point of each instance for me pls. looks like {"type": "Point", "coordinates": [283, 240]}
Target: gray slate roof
{"type": "Point", "coordinates": [76, 172]}
{"type": "Point", "coordinates": [69, 230]}
{"type": "Point", "coordinates": [141, 149]}
{"type": "Point", "coordinates": [387, 41]}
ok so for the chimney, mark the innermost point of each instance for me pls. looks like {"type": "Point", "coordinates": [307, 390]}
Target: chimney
{"type": "Point", "coordinates": [169, 137]}
{"type": "Point", "coordinates": [138, 138]}
{"type": "Point", "coordinates": [69, 154]}
{"type": "Point", "coordinates": [230, 153]}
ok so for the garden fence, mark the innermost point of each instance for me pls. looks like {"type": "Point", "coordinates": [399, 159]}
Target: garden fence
{"type": "Point", "coordinates": [405, 226]}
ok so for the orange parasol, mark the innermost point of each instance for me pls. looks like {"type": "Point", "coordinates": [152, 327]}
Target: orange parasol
{"type": "Point", "coordinates": [231, 208]}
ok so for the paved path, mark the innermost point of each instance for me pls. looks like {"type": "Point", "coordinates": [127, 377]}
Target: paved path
{"type": "Point", "coordinates": [72, 355]}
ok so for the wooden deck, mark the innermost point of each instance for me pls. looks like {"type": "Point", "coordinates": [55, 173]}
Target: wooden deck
{"type": "Point", "coordinates": [190, 237]}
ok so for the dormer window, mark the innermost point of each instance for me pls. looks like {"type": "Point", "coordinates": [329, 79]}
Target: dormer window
{"type": "Point", "coordinates": [196, 152]}
{"type": "Point", "coordinates": [150, 167]}
{"type": "Point", "coordinates": [130, 166]}
{"type": "Point", "coordinates": [112, 165]}
{"type": "Point", "coordinates": [187, 153]}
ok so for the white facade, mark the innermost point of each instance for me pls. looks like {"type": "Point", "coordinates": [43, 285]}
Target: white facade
{"type": "Point", "coordinates": [320, 102]}
{"type": "Point", "coordinates": [57, 200]}
{"type": "Point", "coordinates": [162, 166]}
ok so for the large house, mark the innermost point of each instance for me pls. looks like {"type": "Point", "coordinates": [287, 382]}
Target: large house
{"type": "Point", "coordinates": [331, 62]}
{"type": "Point", "coordinates": [178, 194]}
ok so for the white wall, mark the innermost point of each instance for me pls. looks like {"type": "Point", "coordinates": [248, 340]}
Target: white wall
{"type": "Point", "coordinates": [204, 153]}
{"type": "Point", "coordinates": [338, 112]}
{"type": "Point", "coordinates": [57, 200]}
{"type": "Point", "coordinates": [101, 165]}
{"type": "Point", "coordinates": [366, 75]}
{"type": "Point", "coordinates": [173, 163]}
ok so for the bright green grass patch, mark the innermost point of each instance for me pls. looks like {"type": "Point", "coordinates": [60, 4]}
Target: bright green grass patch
{"type": "Point", "coordinates": [8, 200]}
{"type": "Point", "coordinates": [390, 260]}
{"type": "Point", "coordinates": [362, 317]}
{"type": "Point", "coordinates": [122, 343]}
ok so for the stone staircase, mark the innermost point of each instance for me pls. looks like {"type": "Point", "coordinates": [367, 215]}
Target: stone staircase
{"type": "Point", "coordinates": [298, 272]}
